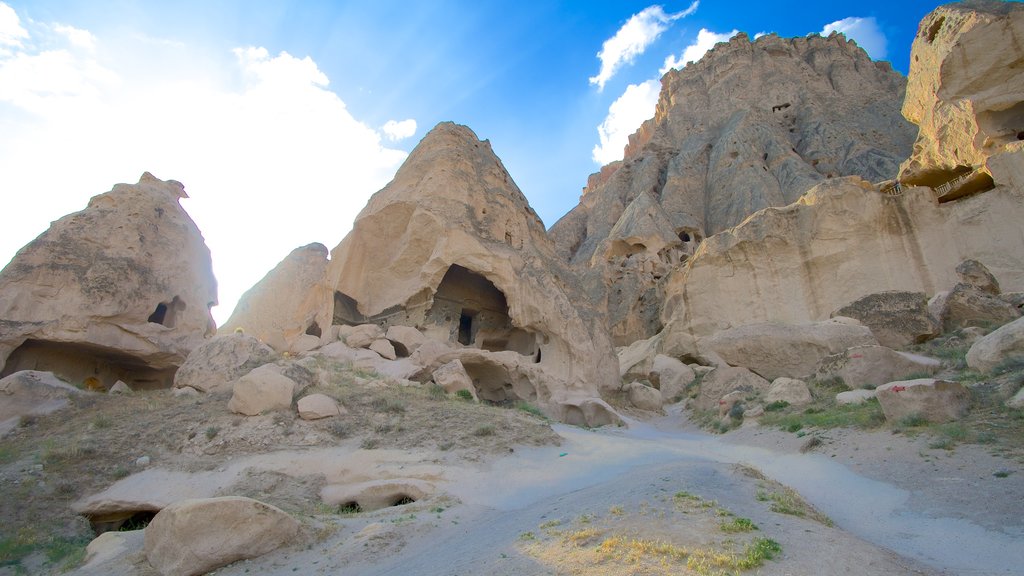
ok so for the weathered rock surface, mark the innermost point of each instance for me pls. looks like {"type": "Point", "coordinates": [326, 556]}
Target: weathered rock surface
{"type": "Point", "coordinates": [966, 305]}
{"type": "Point", "coordinates": [405, 339]}
{"type": "Point", "coordinates": [376, 494]}
{"type": "Point", "coordinates": [854, 397]}
{"type": "Point", "coordinates": [977, 276]}
{"type": "Point", "coordinates": [723, 380]}
{"type": "Point", "coordinates": [1005, 344]}
{"type": "Point", "coordinates": [644, 397]}
{"type": "Point", "coordinates": [773, 350]}
{"type": "Point", "coordinates": [282, 306]}
{"type": "Point", "coordinates": [452, 247]}
{"type": "Point", "coordinates": [452, 377]}
{"type": "Point", "coordinates": [317, 406]}
{"type": "Point", "coordinates": [262, 390]}
{"type": "Point", "coordinates": [384, 347]}
{"type": "Point", "coordinates": [869, 366]}
{"type": "Point", "coordinates": [753, 124]}
{"type": "Point", "coordinates": [671, 377]}
{"type": "Point", "coordinates": [221, 360]}
{"type": "Point", "coordinates": [842, 241]}
{"type": "Point", "coordinates": [790, 390]}
{"type": "Point", "coordinates": [31, 393]}
{"type": "Point", "coordinates": [1017, 401]}
{"type": "Point", "coordinates": [361, 336]}
{"type": "Point", "coordinates": [966, 94]}
{"type": "Point", "coordinates": [119, 291]}
{"type": "Point", "coordinates": [934, 400]}
{"type": "Point", "coordinates": [193, 537]}
{"type": "Point", "coordinates": [896, 318]}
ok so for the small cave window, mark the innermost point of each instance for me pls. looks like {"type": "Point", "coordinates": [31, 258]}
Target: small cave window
{"type": "Point", "coordinates": [933, 30]}
{"type": "Point", "coordinates": [466, 326]}
{"type": "Point", "coordinates": [684, 236]}
{"type": "Point", "coordinates": [508, 238]}
{"type": "Point", "coordinates": [536, 357]}
{"type": "Point", "coordinates": [157, 317]}
{"type": "Point", "coordinates": [166, 313]}
{"type": "Point", "coordinates": [314, 330]}
{"type": "Point", "coordinates": [1020, 135]}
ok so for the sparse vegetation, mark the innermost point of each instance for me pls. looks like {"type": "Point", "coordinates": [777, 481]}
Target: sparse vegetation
{"type": "Point", "coordinates": [867, 415]}
{"type": "Point", "coordinates": [486, 430]}
{"type": "Point", "coordinates": [785, 500]}
{"type": "Point", "coordinates": [737, 525]}
{"type": "Point", "coordinates": [464, 395]}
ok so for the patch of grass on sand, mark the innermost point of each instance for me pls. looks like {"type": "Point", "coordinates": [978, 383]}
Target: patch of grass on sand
{"type": "Point", "coordinates": [867, 416]}
{"type": "Point", "coordinates": [785, 500]}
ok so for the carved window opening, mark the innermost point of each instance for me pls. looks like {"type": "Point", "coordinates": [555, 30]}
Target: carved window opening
{"type": "Point", "coordinates": [166, 313]}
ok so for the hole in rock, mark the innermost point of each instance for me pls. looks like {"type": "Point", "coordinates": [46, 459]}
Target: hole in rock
{"type": "Point", "coordinates": [314, 329]}
{"type": "Point", "coordinates": [352, 507]}
{"type": "Point", "coordinates": [166, 313]}
{"type": "Point", "coordinates": [87, 365]}
{"type": "Point", "coordinates": [400, 349]}
{"type": "Point", "coordinates": [933, 30]}
{"type": "Point", "coordinates": [466, 326]}
{"type": "Point", "coordinates": [403, 499]}
{"type": "Point", "coordinates": [157, 317]}
{"type": "Point", "coordinates": [124, 521]}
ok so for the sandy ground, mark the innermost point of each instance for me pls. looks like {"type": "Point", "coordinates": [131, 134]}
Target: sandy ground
{"type": "Point", "coordinates": [898, 507]}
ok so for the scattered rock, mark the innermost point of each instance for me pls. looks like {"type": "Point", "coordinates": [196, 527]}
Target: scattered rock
{"type": "Point", "coordinates": [870, 366]}
{"type": "Point", "coordinates": [453, 377]}
{"type": "Point", "coordinates": [119, 387]}
{"type": "Point", "coordinates": [644, 397]}
{"type": "Point", "coordinates": [317, 406]}
{"type": "Point", "coordinates": [405, 339]}
{"type": "Point", "coordinates": [854, 397]}
{"type": "Point", "coordinates": [221, 360]}
{"type": "Point", "coordinates": [773, 350]}
{"type": "Point", "coordinates": [261, 390]}
{"type": "Point", "coordinates": [185, 392]}
{"type": "Point", "coordinates": [794, 392]}
{"type": "Point", "coordinates": [1005, 344]}
{"type": "Point", "coordinates": [723, 380]}
{"type": "Point", "coordinates": [31, 393]}
{"type": "Point", "coordinates": [896, 318]}
{"type": "Point", "coordinates": [363, 335]}
{"type": "Point", "coordinates": [142, 461]}
{"type": "Point", "coordinates": [934, 400]}
{"type": "Point", "coordinates": [383, 347]}
{"type": "Point", "coordinates": [1017, 401]}
{"type": "Point", "coordinates": [193, 537]}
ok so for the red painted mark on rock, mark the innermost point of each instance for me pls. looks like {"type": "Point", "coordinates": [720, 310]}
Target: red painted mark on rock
{"type": "Point", "coordinates": [856, 355]}
{"type": "Point", "coordinates": [897, 388]}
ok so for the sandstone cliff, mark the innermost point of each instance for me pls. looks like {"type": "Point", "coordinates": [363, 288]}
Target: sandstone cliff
{"type": "Point", "coordinates": [452, 248]}
{"type": "Point", "coordinates": [120, 290]}
{"type": "Point", "coordinates": [749, 126]}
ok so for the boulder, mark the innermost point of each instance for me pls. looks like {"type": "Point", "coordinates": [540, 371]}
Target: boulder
{"type": "Point", "coordinates": [363, 335]}
{"type": "Point", "coordinates": [586, 412]}
{"type": "Point", "coordinates": [854, 397]}
{"type": "Point", "coordinates": [773, 350]}
{"type": "Point", "coordinates": [317, 406]}
{"type": "Point", "coordinates": [121, 290]}
{"type": "Point", "coordinates": [261, 390]}
{"type": "Point", "coordinates": [794, 392]}
{"type": "Point", "coordinates": [383, 347]}
{"type": "Point", "coordinates": [644, 397]}
{"type": "Point", "coordinates": [934, 400]}
{"type": "Point", "coordinates": [1003, 345]}
{"type": "Point", "coordinates": [729, 402]}
{"type": "Point", "coordinates": [1017, 401]}
{"type": "Point", "coordinates": [119, 387]}
{"type": "Point", "coordinates": [453, 377]}
{"type": "Point", "coordinates": [31, 393]}
{"type": "Point", "coordinates": [281, 309]}
{"type": "Point", "coordinates": [723, 380]}
{"type": "Point", "coordinates": [376, 494]}
{"type": "Point", "coordinates": [221, 360]}
{"type": "Point", "coordinates": [193, 537]}
{"type": "Point", "coordinates": [405, 339]}
{"type": "Point", "coordinates": [870, 366]}
{"type": "Point", "coordinates": [977, 276]}
{"type": "Point", "coordinates": [966, 306]}
{"type": "Point", "coordinates": [109, 547]}
{"type": "Point", "coordinates": [1015, 299]}
{"type": "Point", "coordinates": [671, 377]}
{"type": "Point", "coordinates": [896, 318]}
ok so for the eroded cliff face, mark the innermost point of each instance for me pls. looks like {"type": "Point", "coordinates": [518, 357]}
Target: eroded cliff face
{"type": "Point", "coordinates": [966, 93]}
{"type": "Point", "coordinates": [121, 290]}
{"type": "Point", "coordinates": [751, 125]}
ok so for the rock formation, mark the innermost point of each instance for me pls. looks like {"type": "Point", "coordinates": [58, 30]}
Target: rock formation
{"type": "Point", "coordinates": [966, 93]}
{"type": "Point", "coordinates": [452, 248]}
{"type": "Point", "coordinates": [119, 291]}
{"type": "Point", "coordinates": [749, 126]}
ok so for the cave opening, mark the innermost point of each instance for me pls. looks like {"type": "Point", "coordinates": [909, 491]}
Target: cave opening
{"type": "Point", "coordinates": [87, 366]}
{"type": "Point", "coordinates": [166, 313]}
{"type": "Point", "coordinates": [314, 330]}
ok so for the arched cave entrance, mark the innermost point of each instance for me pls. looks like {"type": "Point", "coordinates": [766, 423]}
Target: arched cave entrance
{"type": "Point", "coordinates": [474, 312]}
{"type": "Point", "coordinates": [87, 365]}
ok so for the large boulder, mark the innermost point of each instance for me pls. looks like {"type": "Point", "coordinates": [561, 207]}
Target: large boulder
{"type": "Point", "coordinates": [977, 276]}
{"type": "Point", "coordinates": [966, 305]}
{"type": "Point", "coordinates": [221, 360]}
{"type": "Point", "coordinates": [193, 537]}
{"type": "Point", "coordinates": [774, 349]}
{"type": "Point", "coordinates": [964, 91]}
{"type": "Point", "coordinates": [933, 400]}
{"type": "Point", "coordinates": [644, 397]}
{"type": "Point", "coordinates": [361, 336]}
{"type": "Point", "coordinates": [1001, 346]}
{"type": "Point", "coordinates": [121, 290]}
{"type": "Point", "coordinates": [317, 406]}
{"type": "Point", "coordinates": [870, 366]}
{"type": "Point", "coordinates": [406, 339]}
{"type": "Point", "coordinates": [896, 318]}
{"type": "Point", "coordinates": [671, 377]}
{"type": "Point", "coordinates": [31, 393]}
{"type": "Point", "coordinates": [281, 309]}
{"type": "Point", "coordinates": [724, 380]}
{"type": "Point", "coordinates": [789, 390]}
{"type": "Point", "coordinates": [452, 377]}
{"type": "Point", "coordinates": [263, 390]}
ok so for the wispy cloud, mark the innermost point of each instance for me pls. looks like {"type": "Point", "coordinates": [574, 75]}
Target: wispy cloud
{"type": "Point", "coordinates": [625, 116]}
{"type": "Point", "coordinates": [11, 31]}
{"type": "Point", "coordinates": [271, 158]}
{"type": "Point", "coordinates": [396, 131]}
{"type": "Point", "coordinates": [864, 31]}
{"type": "Point", "coordinates": [633, 38]}
{"type": "Point", "coordinates": [706, 40]}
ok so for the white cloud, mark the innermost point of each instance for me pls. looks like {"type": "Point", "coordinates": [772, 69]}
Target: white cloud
{"type": "Point", "coordinates": [625, 116]}
{"type": "Point", "coordinates": [11, 32]}
{"type": "Point", "coordinates": [706, 40]}
{"type": "Point", "coordinates": [864, 31]}
{"type": "Point", "coordinates": [270, 157]}
{"type": "Point", "coordinates": [396, 131]}
{"type": "Point", "coordinates": [633, 38]}
{"type": "Point", "coordinates": [78, 38]}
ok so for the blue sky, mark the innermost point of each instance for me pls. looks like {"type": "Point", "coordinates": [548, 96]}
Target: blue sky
{"type": "Point", "coordinates": [282, 118]}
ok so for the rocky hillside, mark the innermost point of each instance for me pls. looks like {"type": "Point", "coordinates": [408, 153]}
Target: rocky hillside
{"type": "Point", "coordinates": [753, 124]}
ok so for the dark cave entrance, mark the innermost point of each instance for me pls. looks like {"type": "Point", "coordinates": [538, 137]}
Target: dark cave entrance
{"type": "Point", "coordinates": [166, 313]}
{"type": "Point", "coordinates": [87, 365]}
